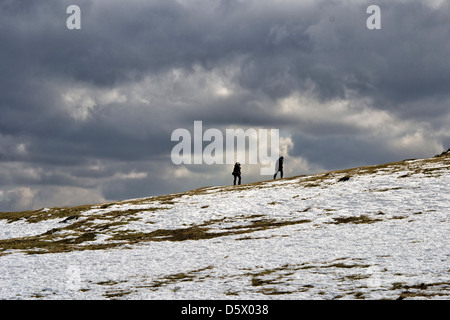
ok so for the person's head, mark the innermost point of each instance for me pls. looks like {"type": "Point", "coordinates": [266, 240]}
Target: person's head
{"type": "Point", "coordinates": [238, 164]}
{"type": "Point", "coordinates": [281, 158]}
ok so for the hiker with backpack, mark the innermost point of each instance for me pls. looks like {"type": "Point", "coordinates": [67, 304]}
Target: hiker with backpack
{"type": "Point", "coordinates": [237, 172]}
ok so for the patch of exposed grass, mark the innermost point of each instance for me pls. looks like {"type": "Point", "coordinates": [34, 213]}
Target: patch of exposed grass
{"type": "Point", "coordinates": [346, 266]}
{"type": "Point", "coordinates": [356, 220]}
{"type": "Point", "coordinates": [359, 295]}
{"type": "Point", "coordinates": [108, 283]}
{"type": "Point", "coordinates": [177, 278]}
{"type": "Point", "coordinates": [114, 294]}
{"type": "Point", "coordinates": [180, 234]}
{"type": "Point", "coordinates": [274, 291]}
{"type": "Point", "coordinates": [421, 290]}
{"type": "Point", "coordinates": [356, 277]}
{"type": "Point", "coordinates": [41, 215]}
{"type": "Point", "coordinates": [385, 189]}
{"type": "Point", "coordinates": [265, 280]}
{"type": "Point", "coordinates": [201, 232]}
{"type": "Point", "coordinates": [46, 243]}
{"type": "Point", "coordinates": [398, 217]}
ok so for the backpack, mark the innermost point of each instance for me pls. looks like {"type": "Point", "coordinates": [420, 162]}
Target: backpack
{"type": "Point", "coordinates": [237, 169]}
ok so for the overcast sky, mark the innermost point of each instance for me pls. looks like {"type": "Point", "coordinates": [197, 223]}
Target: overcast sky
{"type": "Point", "coordinates": [86, 116]}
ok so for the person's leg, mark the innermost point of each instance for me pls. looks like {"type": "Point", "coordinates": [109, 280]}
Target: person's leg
{"type": "Point", "coordinates": [239, 179]}
{"type": "Point", "coordinates": [234, 182]}
{"type": "Point", "coordinates": [281, 172]}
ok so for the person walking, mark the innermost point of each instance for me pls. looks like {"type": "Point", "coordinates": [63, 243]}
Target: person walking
{"type": "Point", "coordinates": [237, 172]}
{"type": "Point", "coordinates": [279, 167]}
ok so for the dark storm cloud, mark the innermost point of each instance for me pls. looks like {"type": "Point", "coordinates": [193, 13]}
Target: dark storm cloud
{"type": "Point", "coordinates": [336, 152]}
{"type": "Point", "coordinates": [93, 109]}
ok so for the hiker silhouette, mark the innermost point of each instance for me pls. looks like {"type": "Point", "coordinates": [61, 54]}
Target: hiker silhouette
{"type": "Point", "coordinates": [237, 173]}
{"type": "Point", "coordinates": [279, 167]}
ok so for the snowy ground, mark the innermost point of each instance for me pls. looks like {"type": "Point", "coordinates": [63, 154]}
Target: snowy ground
{"type": "Point", "coordinates": [381, 234]}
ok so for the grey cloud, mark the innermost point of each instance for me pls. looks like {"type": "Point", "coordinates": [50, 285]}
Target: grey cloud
{"type": "Point", "coordinates": [337, 152]}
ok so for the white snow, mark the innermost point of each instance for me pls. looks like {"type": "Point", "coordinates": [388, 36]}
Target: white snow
{"type": "Point", "coordinates": [401, 248]}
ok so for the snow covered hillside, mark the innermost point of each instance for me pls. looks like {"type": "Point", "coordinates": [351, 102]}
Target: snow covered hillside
{"type": "Point", "coordinates": [378, 232]}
